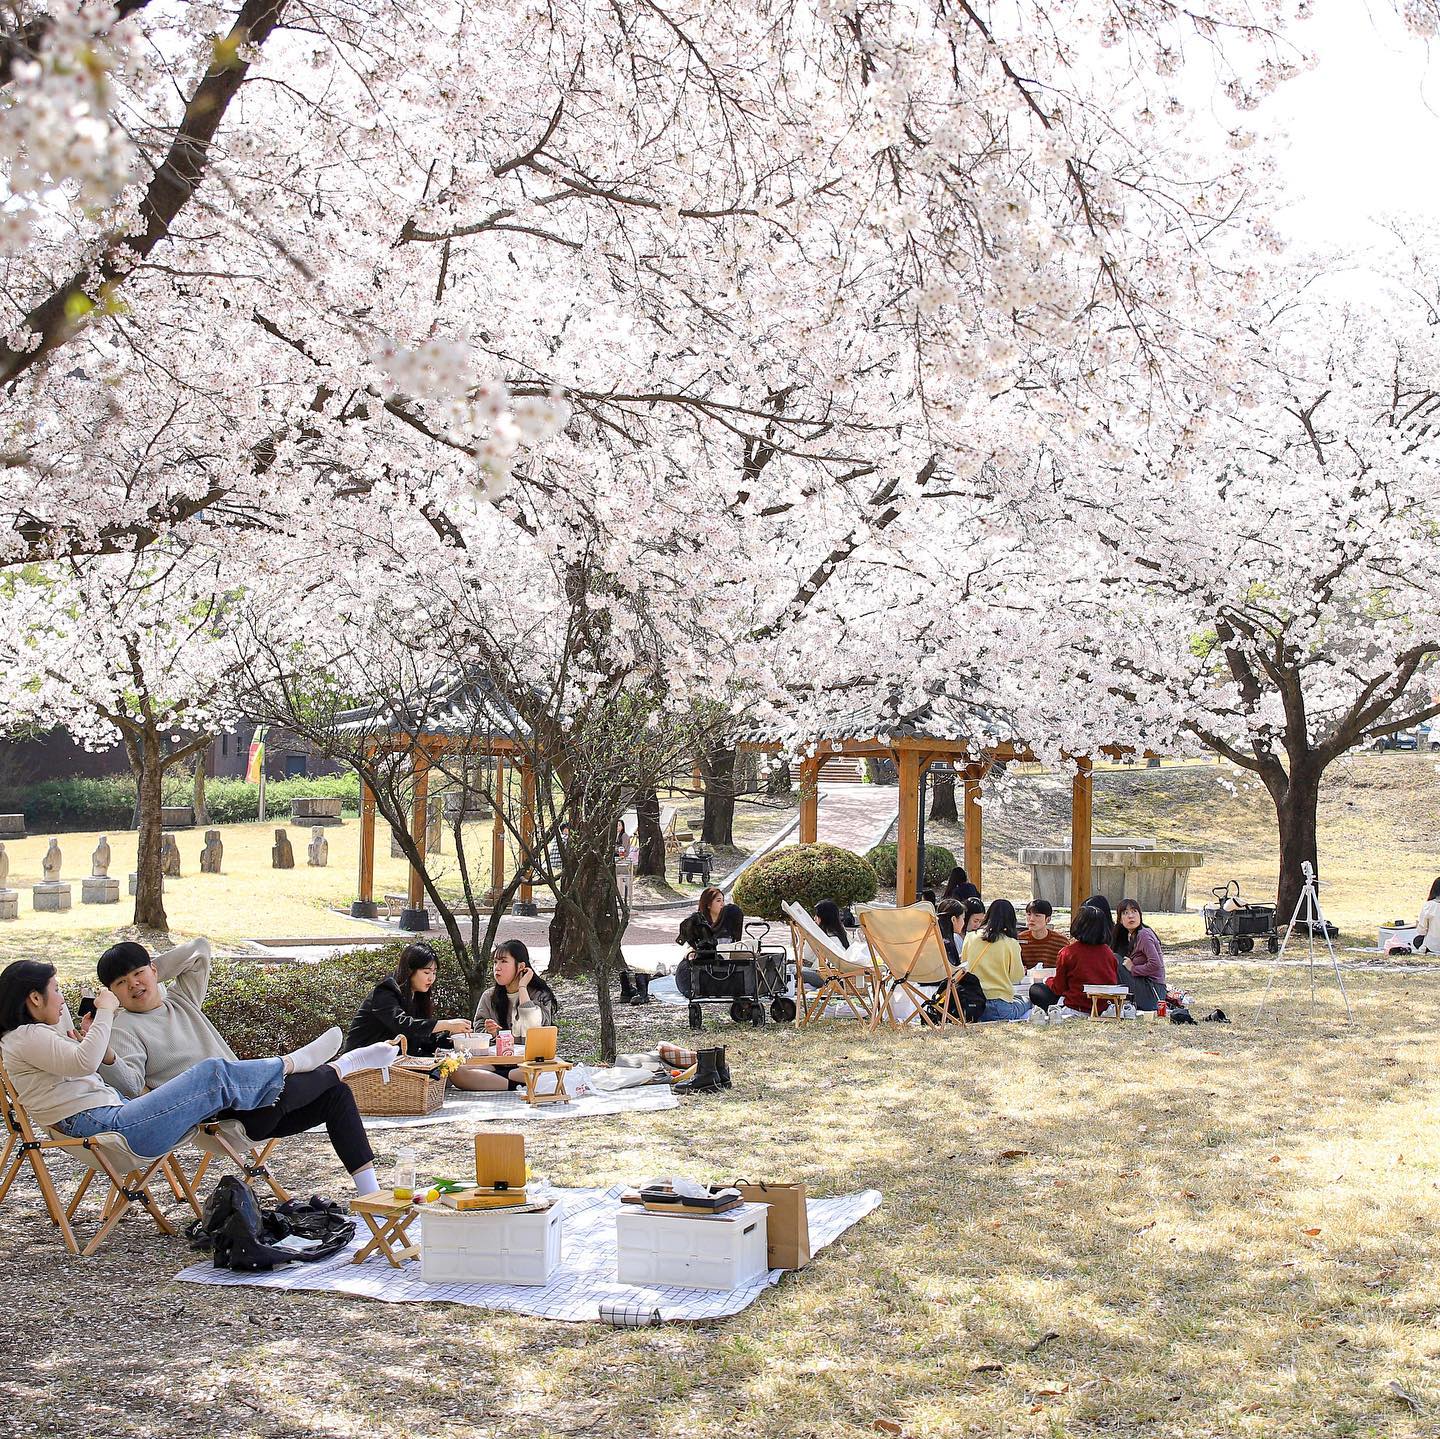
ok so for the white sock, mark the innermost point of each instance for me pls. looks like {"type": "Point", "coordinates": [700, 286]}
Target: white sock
{"type": "Point", "coordinates": [365, 1181]}
{"type": "Point", "coordinates": [372, 1056]}
{"type": "Point", "coordinates": [313, 1055]}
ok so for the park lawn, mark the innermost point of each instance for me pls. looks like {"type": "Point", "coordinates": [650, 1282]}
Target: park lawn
{"type": "Point", "coordinates": [1094, 1231]}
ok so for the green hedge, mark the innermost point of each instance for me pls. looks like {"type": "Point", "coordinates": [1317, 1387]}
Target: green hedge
{"type": "Point", "coordinates": [804, 874]}
{"type": "Point", "coordinates": [939, 861]}
{"type": "Point", "coordinates": [108, 803]}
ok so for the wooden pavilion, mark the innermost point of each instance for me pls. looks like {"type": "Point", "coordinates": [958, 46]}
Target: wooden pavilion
{"type": "Point", "coordinates": [467, 720]}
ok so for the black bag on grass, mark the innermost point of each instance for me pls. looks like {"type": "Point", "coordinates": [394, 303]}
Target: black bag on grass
{"type": "Point", "coordinates": [244, 1236]}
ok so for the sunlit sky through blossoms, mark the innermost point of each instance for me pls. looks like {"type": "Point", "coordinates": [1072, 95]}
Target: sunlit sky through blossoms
{"type": "Point", "coordinates": [1364, 127]}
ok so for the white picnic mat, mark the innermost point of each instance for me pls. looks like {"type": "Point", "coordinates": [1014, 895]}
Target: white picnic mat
{"type": "Point", "coordinates": [509, 1106]}
{"type": "Point", "coordinates": [584, 1281]}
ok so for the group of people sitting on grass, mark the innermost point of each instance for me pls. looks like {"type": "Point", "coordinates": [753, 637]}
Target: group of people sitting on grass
{"type": "Point", "coordinates": [147, 1064]}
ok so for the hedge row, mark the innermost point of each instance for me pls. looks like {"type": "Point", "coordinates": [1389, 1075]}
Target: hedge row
{"type": "Point", "coordinates": [108, 803]}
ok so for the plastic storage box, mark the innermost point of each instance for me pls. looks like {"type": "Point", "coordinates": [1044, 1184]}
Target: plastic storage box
{"type": "Point", "coordinates": [726, 1252]}
{"type": "Point", "coordinates": [486, 1247]}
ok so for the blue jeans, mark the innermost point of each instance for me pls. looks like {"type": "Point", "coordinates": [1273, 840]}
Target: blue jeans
{"type": "Point", "coordinates": [1004, 1009]}
{"type": "Point", "coordinates": [156, 1122]}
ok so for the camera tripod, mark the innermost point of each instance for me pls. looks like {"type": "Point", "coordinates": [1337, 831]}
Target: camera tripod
{"type": "Point", "coordinates": [1308, 912]}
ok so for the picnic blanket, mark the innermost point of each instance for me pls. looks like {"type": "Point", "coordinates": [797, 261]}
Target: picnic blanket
{"type": "Point", "coordinates": [510, 1106]}
{"type": "Point", "coordinates": [584, 1280]}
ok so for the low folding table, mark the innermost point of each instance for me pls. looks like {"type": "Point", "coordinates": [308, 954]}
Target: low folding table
{"type": "Point", "coordinates": [389, 1220]}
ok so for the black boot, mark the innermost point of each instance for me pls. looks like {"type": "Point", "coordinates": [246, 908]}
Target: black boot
{"type": "Point", "coordinates": [722, 1067]}
{"type": "Point", "coordinates": [641, 984]}
{"type": "Point", "coordinates": [627, 987]}
{"type": "Point", "coordinates": [707, 1075]}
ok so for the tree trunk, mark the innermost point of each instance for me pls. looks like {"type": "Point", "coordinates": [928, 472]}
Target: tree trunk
{"type": "Point", "coordinates": [591, 884]}
{"type": "Point", "coordinates": [202, 817]}
{"type": "Point", "coordinates": [1297, 803]}
{"type": "Point", "coordinates": [652, 841]}
{"type": "Point", "coordinates": [778, 780]}
{"type": "Point", "coordinates": [942, 796]}
{"type": "Point", "coordinates": [608, 1046]}
{"type": "Point", "coordinates": [718, 767]}
{"type": "Point", "coordinates": [149, 780]}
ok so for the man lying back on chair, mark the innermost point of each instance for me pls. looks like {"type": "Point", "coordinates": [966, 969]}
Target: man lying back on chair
{"type": "Point", "coordinates": [161, 1031]}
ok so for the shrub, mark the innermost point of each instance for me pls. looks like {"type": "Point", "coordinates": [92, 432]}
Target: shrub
{"type": "Point", "coordinates": [939, 861]}
{"type": "Point", "coordinates": [804, 874]}
{"type": "Point", "coordinates": [232, 801]}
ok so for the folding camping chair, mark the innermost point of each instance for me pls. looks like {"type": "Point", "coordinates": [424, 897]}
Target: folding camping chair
{"type": "Point", "coordinates": [224, 1139]}
{"type": "Point", "coordinates": [844, 977]}
{"type": "Point", "coordinates": [129, 1174]}
{"type": "Point", "coordinates": [910, 958]}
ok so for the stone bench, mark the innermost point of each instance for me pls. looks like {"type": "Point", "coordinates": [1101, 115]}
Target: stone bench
{"type": "Point", "coordinates": [12, 826]}
{"type": "Point", "coordinates": [316, 810]}
{"type": "Point", "coordinates": [177, 816]}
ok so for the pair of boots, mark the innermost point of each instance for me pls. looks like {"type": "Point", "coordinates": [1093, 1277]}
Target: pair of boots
{"type": "Point", "coordinates": [634, 988]}
{"type": "Point", "coordinates": [712, 1073]}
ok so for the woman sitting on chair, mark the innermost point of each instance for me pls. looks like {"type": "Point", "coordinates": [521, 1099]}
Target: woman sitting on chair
{"type": "Point", "coordinates": [1087, 959]}
{"type": "Point", "coordinates": [519, 1000]}
{"type": "Point", "coordinates": [54, 1071]}
{"type": "Point", "coordinates": [992, 955]}
{"type": "Point", "coordinates": [1142, 962]}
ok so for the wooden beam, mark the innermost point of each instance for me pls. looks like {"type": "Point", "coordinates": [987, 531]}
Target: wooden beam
{"type": "Point", "coordinates": [527, 830]}
{"type": "Point", "coordinates": [809, 800]}
{"type": "Point", "coordinates": [907, 828]}
{"type": "Point", "coordinates": [974, 825]}
{"type": "Point", "coordinates": [497, 833]}
{"type": "Point", "coordinates": [366, 888]}
{"type": "Point", "coordinates": [1082, 797]}
{"type": "Point", "coordinates": [421, 764]}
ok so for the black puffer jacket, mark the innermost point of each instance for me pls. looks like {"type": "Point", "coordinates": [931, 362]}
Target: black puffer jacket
{"type": "Point", "coordinates": [390, 1012]}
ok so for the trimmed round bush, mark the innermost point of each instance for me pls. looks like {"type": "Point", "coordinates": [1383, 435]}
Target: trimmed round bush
{"type": "Point", "coordinates": [804, 874]}
{"type": "Point", "coordinates": [939, 861]}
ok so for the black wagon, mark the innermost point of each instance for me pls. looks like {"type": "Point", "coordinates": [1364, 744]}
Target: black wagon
{"type": "Point", "coordinates": [1236, 926]}
{"type": "Point", "coordinates": [743, 976]}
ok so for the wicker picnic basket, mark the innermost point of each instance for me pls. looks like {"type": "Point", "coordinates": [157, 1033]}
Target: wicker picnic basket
{"type": "Point", "coordinates": [411, 1090]}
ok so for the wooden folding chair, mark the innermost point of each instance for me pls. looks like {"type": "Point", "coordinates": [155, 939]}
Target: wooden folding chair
{"type": "Point", "coordinates": [844, 977]}
{"type": "Point", "coordinates": [129, 1174]}
{"type": "Point", "coordinates": [910, 958]}
{"type": "Point", "coordinates": [225, 1139]}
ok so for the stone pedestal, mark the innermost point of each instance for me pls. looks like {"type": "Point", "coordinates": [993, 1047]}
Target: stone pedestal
{"type": "Point", "coordinates": [51, 894]}
{"type": "Point", "coordinates": [316, 811]}
{"type": "Point", "coordinates": [414, 920]}
{"type": "Point", "coordinates": [9, 904]}
{"type": "Point", "coordinates": [131, 883]}
{"type": "Point", "coordinates": [364, 909]}
{"type": "Point", "coordinates": [99, 889]}
{"type": "Point", "coordinates": [1128, 868]}
{"type": "Point", "coordinates": [12, 826]}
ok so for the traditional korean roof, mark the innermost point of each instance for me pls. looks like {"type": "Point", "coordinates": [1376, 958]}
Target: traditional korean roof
{"type": "Point", "coordinates": [463, 709]}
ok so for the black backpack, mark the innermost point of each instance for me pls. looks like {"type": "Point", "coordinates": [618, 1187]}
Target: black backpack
{"type": "Point", "coordinates": [244, 1236]}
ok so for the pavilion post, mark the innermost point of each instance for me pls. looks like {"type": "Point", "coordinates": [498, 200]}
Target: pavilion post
{"type": "Point", "coordinates": [907, 829]}
{"type": "Point", "coordinates": [974, 825]}
{"type": "Point", "coordinates": [810, 799]}
{"type": "Point", "coordinates": [497, 833]}
{"type": "Point", "coordinates": [525, 903]}
{"type": "Point", "coordinates": [364, 905]}
{"type": "Point", "coordinates": [1082, 796]}
{"type": "Point", "coordinates": [415, 916]}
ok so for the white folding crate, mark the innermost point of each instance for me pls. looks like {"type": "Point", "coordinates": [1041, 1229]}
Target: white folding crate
{"type": "Point", "coordinates": [482, 1246]}
{"type": "Point", "coordinates": [726, 1252]}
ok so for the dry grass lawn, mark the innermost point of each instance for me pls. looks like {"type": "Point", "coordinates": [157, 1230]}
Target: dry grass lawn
{"type": "Point", "coordinates": [1094, 1230]}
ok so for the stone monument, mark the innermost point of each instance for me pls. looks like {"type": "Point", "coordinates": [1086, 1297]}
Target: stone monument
{"type": "Point", "coordinates": [99, 888]}
{"type": "Point", "coordinates": [319, 848]}
{"type": "Point", "coordinates": [281, 855]}
{"type": "Point", "coordinates": [52, 892]}
{"type": "Point", "coordinates": [212, 853]}
{"type": "Point", "coordinates": [1132, 866]}
{"type": "Point", "coordinates": [9, 898]}
{"type": "Point", "coordinates": [169, 855]}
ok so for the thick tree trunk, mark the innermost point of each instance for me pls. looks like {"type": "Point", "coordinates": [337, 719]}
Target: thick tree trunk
{"type": "Point", "coordinates": [198, 800]}
{"type": "Point", "coordinates": [652, 841]}
{"type": "Point", "coordinates": [591, 884]}
{"type": "Point", "coordinates": [1297, 803]}
{"type": "Point", "coordinates": [718, 767]}
{"type": "Point", "coordinates": [942, 797]}
{"type": "Point", "coordinates": [149, 779]}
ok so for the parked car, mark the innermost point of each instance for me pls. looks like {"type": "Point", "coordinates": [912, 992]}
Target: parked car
{"type": "Point", "coordinates": [1421, 737]}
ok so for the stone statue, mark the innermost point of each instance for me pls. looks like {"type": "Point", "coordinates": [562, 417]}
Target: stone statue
{"type": "Point", "coordinates": [100, 860]}
{"type": "Point", "coordinates": [212, 853]}
{"type": "Point", "coordinates": [52, 892]}
{"type": "Point", "coordinates": [169, 855]}
{"type": "Point", "coordinates": [319, 849]}
{"type": "Point", "coordinates": [4, 867]}
{"type": "Point", "coordinates": [50, 865]}
{"type": "Point", "coordinates": [281, 855]}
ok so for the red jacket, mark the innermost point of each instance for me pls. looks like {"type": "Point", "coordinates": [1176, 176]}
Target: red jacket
{"type": "Point", "coordinates": [1078, 965]}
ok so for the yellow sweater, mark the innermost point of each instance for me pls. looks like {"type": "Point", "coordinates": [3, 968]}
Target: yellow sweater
{"type": "Point", "coordinates": [996, 964]}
